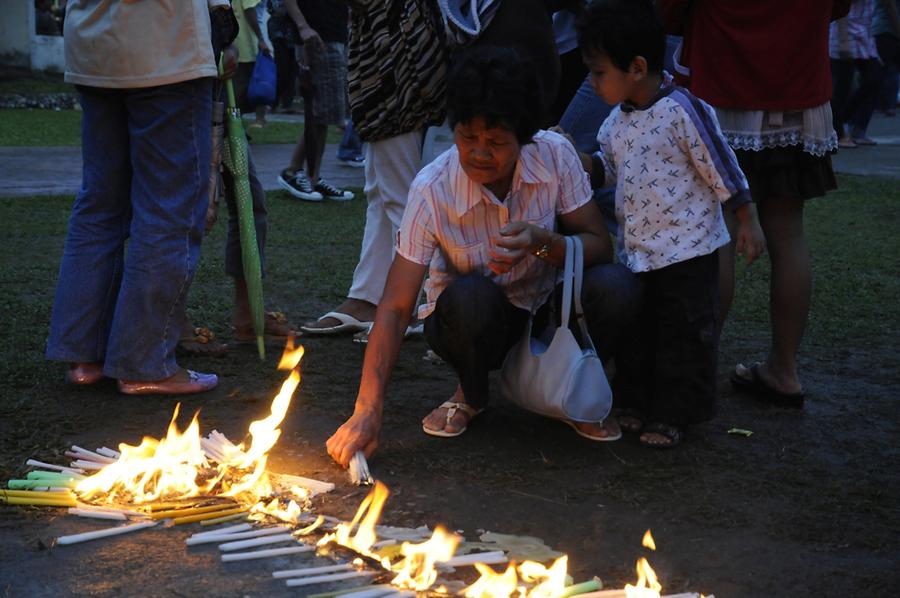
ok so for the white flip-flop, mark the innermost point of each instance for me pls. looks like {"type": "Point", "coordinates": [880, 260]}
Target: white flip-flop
{"type": "Point", "coordinates": [347, 324]}
{"type": "Point", "coordinates": [572, 425]}
{"type": "Point", "coordinates": [452, 407]}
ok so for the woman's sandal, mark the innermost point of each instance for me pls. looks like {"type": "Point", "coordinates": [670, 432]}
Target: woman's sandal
{"type": "Point", "coordinates": [674, 434]}
{"type": "Point", "coordinates": [452, 407]}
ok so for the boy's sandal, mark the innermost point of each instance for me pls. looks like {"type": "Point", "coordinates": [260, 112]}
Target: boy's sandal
{"type": "Point", "coordinates": [674, 435]}
{"type": "Point", "coordinates": [452, 407]}
{"type": "Point", "coordinates": [630, 420]}
{"type": "Point", "coordinates": [202, 343]}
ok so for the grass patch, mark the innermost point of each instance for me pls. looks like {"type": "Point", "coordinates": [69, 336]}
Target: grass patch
{"type": "Point", "coordinates": [27, 127]}
{"type": "Point", "coordinates": [35, 84]}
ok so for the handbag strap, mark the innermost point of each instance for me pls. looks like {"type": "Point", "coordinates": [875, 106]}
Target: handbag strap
{"type": "Point", "coordinates": [568, 281]}
{"type": "Point", "coordinates": [579, 280]}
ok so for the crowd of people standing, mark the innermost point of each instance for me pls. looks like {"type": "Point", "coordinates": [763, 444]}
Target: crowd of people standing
{"type": "Point", "coordinates": [566, 121]}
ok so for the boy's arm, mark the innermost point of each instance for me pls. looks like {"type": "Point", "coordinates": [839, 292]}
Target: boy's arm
{"type": "Point", "coordinates": [596, 165]}
{"type": "Point", "coordinates": [717, 165]}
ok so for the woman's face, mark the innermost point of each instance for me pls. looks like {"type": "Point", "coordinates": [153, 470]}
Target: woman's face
{"type": "Point", "coordinates": [487, 155]}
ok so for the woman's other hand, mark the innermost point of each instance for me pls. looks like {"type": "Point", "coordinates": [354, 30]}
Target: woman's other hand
{"type": "Point", "coordinates": [516, 240]}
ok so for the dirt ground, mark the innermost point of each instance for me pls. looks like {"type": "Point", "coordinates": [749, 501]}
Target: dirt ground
{"type": "Point", "coordinates": [806, 506]}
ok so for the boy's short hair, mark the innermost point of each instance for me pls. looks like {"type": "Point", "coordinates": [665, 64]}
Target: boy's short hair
{"type": "Point", "coordinates": [623, 29]}
{"type": "Point", "coordinates": [498, 85]}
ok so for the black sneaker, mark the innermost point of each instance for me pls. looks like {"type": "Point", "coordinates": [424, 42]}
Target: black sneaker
{"type": "Point", "coordinates": [298, 185]}
{"type": "Point", "coordinates": [332, 192]}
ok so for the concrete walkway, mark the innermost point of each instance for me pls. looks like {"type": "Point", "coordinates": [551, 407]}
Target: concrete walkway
{"type": "Point", "coordinates": [28, 171]}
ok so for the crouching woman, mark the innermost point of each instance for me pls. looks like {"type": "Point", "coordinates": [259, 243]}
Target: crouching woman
{"type": "Point", "coordinates": [481, 220]}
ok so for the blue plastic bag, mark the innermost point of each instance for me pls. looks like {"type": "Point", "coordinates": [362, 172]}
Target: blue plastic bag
{"type": "Point", "coordinates": [261, 89]}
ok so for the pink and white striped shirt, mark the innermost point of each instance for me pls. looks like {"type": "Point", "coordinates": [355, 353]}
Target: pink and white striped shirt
{"type": "Point", "coordinates": [450, 220]}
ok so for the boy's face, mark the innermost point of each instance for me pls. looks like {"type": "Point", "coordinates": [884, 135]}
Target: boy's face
{"type": "Point", "coordinates": [611, 83]}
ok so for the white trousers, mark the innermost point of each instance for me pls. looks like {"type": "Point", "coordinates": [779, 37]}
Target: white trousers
{"type": "Point", "coordinates": [391, 165]}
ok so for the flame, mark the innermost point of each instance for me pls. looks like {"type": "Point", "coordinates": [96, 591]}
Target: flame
{"type": "Point", "coordinates": [550, 582]}
{"type": "Point", "coordinates": [416, 570]}
{"type": "Point", "coordinates": [365, 537]}
{"type": "Point", "coordinates": [176, 466]}
{"type": "Point", "coordinates": [492, 584]}
{"type": "Point", "coordinates": [647, 584]}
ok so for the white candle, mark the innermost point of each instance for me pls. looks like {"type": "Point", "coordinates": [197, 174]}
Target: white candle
{"type": "Point", "coordinates": [487, 558]}
{"type": "Point", "coordinates": [314, 486]}
{"type": "Point", "coordinates": [105, 509]}
{"type": "Point", "coordinates": [373, 592]}
{"type": "Point", "coordinates": [359, 469]}
{"type": "Point", "coordinates": [240, 544]}
{"type": "Point", "coordinates": [311, 571]}
{"type": "Point", "coordinates": [223, 531]}
{"type": "Point", "coordinates": [72, 470]}
{"type": "Point", "coordinates": [220, 537]}
{"type": "Point", "coordinates": [91, 455]}
{"type": "Point", "coordinates": [83, 464]}
{"type": "Point", "coordinates": [103, 533]}
{"type": "Point", "coordinates": [96, 514]}
{"type": "Point", "coordinates": [108, 452]}
{"type": "Point", "coordinates": [308, 581]}
{"type": "Point", "coordinates": [262, 554]}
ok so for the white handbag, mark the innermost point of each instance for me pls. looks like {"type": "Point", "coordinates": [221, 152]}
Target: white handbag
{"type": "Point", "coordinates": [563, 380]}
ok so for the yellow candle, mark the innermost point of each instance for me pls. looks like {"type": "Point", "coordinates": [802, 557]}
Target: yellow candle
{"type": "Point", "coordinates": [212, 515]}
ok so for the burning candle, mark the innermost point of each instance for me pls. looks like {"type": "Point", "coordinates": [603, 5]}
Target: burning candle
{"type": "Point", "coordinates": [91, 455]}
{"type": "Point", "coordinates": [486, 558]}
{"type": "Point", "coordinates": [262, 554]}
{"type": "Point", "coordinates": [104, 533]}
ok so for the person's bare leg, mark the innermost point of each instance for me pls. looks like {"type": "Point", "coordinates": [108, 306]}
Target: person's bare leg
{"type": "Point", "coordinates": [243, 320]}
{"type": "Point", "coordinates": [790, 290]}
{"type": "Point", "coordinates": [726, 271]}
{"type": "Point", "coordinates": [298, 156]}
{"type": "Point", "coordinates": [321, 132]}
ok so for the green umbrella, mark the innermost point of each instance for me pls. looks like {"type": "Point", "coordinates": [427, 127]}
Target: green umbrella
{"type": "Point", "coordinates": [236, 161]}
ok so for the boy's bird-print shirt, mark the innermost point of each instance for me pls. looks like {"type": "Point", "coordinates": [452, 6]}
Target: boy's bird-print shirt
{"type": "Point", "coordinates": [672, 169]}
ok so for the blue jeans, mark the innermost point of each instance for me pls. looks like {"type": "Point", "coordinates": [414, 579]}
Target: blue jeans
{"type": "Point", "coordinates": [351, 144]}
{"type": "Point", "coordinates": [145, 177]}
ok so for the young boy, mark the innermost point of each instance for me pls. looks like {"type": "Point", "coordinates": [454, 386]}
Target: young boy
{"type": "Point", "coordinates": [662, 149]}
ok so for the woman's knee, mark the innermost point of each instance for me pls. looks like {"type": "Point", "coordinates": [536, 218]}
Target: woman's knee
{"type": "Point", "coordinates": [611, 291]}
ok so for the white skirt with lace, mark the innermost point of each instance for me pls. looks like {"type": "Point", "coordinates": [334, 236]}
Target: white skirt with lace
{"type": "Point", "coordinates": [755, 130]}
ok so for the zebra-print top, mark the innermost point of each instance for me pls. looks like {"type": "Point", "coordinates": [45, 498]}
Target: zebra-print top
{"type": "Point", "coordinates": [396, 67]}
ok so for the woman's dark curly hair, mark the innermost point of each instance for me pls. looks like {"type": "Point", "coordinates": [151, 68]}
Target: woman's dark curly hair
{"type": "Point", "coordinates": [623, 30]}
{"type": "Point", "coordinates": [498, 85]}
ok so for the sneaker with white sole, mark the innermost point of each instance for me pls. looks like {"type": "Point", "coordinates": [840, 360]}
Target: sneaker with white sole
{"type": "Point", "coordinates": [329, 191]}
{"type": "Point", "coordinates": [354, 162]}
{"type": "Point", "coordinates": [298, 185]}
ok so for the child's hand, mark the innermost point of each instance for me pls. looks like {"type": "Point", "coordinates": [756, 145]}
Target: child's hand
{"type": "Point", "coordinates": [516, 240]}
{"type": "Point", "coordinates": [750, 241]}
{"type": "Point", "coordinates": [558, 129]}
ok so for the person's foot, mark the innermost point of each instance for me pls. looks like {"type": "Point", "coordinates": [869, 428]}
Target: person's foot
{"type": "Point", "coordinates": [846, 143]}
{"type": "Point", "coordinates": [276, 327]}
{"type": "Point", "coordinates": [362, 311]}
{"type": "Point", "coordinates": [354, 162]}
{"type": "Point", "coordinates": [298, 185]}
{"type": "Point", "coordinates": [864, 141]}
{"type": "Point", "coordinates": [659, 435]}
{"type": "Point", "coordinates": [630, 420]}
{"type": "Point", "coordinates": [84, 373]}
{"type": "Point", "coordinates": [329, 191]}
{"type": "Point", "coordinates": [605, 431]}
{"type": "Point", "coordinates": [779, 382]}
{"type": "Point", "coordinates": [451, 418]}
{"type": "Point", "coordinates": [257, 124]}
{"type": "Point", "coordinates": [201, 341]}
{"type": "Point", "coordinates": [183, 382]}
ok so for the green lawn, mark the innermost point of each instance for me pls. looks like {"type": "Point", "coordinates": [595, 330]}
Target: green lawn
{"type": "Point", "coordinates": [32, 127]}
{"type": "Point", "coordinates": [312, 249]}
